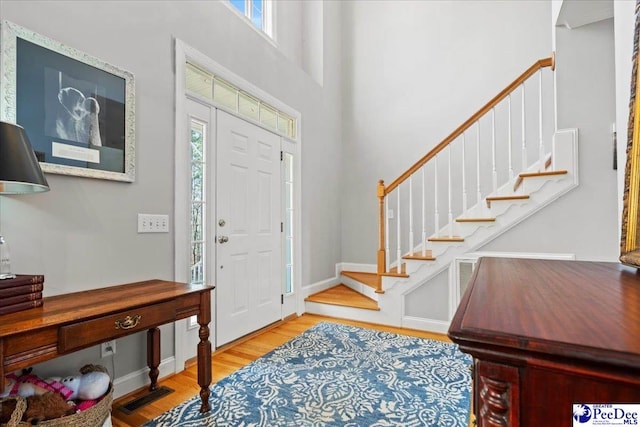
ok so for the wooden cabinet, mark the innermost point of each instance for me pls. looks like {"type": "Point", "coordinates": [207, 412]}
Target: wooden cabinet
{"type": "Point", "coordinates": [549, 334]}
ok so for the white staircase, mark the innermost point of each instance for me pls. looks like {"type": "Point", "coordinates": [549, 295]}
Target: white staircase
{"type": "Point", "coordinates": [435, 193]}
{"type": "Point", "coordinates": [542, 190]}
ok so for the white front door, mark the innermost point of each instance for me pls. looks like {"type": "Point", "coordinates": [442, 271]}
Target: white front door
{"type": "Point", "coordinates": [248, 228]}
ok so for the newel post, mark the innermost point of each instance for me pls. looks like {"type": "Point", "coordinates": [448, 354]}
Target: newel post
{"type": "Point", "coordinates": [382, 268]}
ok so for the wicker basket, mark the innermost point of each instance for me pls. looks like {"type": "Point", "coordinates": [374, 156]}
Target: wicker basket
{"type": "Point", "coordinates": [92, 417]}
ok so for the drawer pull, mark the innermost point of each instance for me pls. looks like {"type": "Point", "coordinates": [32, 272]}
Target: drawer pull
{"type": "Point", "coordinates": [128, 322]}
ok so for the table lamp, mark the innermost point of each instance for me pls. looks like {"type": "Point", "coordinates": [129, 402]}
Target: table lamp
{"type": "Point", "coordinates": [20, 173]}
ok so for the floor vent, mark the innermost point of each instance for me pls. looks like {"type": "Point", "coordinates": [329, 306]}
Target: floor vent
{"type": "Point", "coordinates": [137, 403]}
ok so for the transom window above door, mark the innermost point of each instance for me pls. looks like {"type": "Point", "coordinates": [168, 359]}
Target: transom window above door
{"type": "Point", "coordinates": [258, 12]}
{"type": "Point", "coordinates": [224, 93]}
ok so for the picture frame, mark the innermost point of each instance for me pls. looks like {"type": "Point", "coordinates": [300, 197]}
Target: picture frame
{"type": "Point", "coordinates": [630, 224]}
{"type": "Point", "coordinates": [78, 111]}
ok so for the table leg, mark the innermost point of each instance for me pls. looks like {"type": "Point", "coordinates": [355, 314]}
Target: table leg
{"type": "Point", "coordinates": [204, 350]}
{"type": "Point", "coordinates": [153, 356]}
{"type": "Point", "coordinates": [1, 365]}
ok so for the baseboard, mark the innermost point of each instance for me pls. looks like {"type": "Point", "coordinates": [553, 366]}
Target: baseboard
{"type": "Point", "coordinates": [323, 285]}
{"type": "Point", "coordinates": [352, 266]}
{"type": "Point", "coordinates": [138, 379]}
{"type": "Point", "coordinates": [421, 324]}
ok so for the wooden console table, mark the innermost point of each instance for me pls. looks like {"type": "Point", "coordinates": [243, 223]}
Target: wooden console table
{"type": "Point", "coordinates": [547, 334]}
{"type": "Point", "coordinates": [70, 322]}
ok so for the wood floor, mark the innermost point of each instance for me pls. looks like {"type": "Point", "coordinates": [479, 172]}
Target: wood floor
{"type": "Point", "coordinates": [232, 358]}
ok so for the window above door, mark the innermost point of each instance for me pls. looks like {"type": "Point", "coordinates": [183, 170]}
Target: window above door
{"type": "Point", "coordinates": [259, 13]}
{"type": "Point", "coordinates": [205, 84]}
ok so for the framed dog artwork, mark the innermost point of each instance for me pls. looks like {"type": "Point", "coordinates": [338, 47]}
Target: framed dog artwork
{"type": "Point", "coordinates": [78, 111]}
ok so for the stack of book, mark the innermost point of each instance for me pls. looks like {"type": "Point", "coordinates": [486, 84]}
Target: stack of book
{"type": "Point", "coordinates": [21, 293]}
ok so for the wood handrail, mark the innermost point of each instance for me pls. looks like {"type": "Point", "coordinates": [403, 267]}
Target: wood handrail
{"type": "Point", "coordinates": [539, 64]}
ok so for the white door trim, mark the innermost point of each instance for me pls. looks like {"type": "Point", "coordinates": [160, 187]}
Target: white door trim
{"type": "Point", "coordinates": [184, 53]}
{"type": "Point", "coordinates": [294, 302]}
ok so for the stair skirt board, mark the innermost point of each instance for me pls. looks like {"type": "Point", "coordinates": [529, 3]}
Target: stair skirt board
{"type": "Point", "coordinates": [343, 296]}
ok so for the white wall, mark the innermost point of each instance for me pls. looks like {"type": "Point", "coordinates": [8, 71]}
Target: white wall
{"type": "Point", "coordinates": [412, 72]}
{"type": "Point", "coordinates": [585, 221]}
{"type": "Point", "coordinates": [82, 234]}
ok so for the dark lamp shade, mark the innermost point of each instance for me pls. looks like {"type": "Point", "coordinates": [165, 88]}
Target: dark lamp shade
{"type": "Point", "coordinates": [20, 171]}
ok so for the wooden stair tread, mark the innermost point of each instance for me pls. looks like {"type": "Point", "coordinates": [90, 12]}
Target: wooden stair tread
{"type": "Point", "coordinates": [488, 219]}
{"type": "Point", "coordinates": [543, 173]}
{"type": "Point", "coordinates": [502, 198]}
{"type": "Point", "coordinates": [343, 295]}
{"type": "Point", "coordinates": [446, 239]}
{"type": "Point", "coordinates": [369, 279]}
{"type": "Point", "coordinates": [524, 175]}
{"type": "Point", "coordinates": [393, 272]}
{"type": "Point", "coordinates": [428, 256]}
{"type": "Point", "coordinates": [510, 197]}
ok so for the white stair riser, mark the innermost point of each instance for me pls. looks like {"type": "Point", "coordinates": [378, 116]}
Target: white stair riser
{"type": "Point", "coordinates": [464, 229]}
{"type": "Point", "coordinates": [414, 265]}
{"type": "Point", "coordinates": [342, 312]}
{"type": "Point", "coordinates": [500, 207]}
{"type": "Point", "coordinates": [533, 184]}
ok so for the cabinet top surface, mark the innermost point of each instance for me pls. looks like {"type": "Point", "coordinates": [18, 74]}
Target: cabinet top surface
{"type": "Point", "coordinates": [588, 310]}
{"type": "Point", "coordinates": [61, 309]}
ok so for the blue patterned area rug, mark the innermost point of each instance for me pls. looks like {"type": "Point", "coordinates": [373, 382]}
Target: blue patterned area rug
{"type": "Point", "coordinates": [338, 375]}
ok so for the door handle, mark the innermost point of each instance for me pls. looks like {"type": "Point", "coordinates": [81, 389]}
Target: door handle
{"type": "Point", "coordinates": [223, 239]}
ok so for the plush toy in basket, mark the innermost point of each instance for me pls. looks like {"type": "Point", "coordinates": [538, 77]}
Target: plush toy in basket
{"type": "Point", "coordinates": [79, 400]}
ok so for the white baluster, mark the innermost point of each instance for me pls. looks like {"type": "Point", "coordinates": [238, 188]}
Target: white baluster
{"type": "Point", "coordinates": [411, 214]}
{"type": "Point", "coordinates": [464, 179]}
{"type": "Point", "coordinates": [478, 195]}
{"type": "Point", "coordinates": [555, 105]}
{"type": "Point", "coordinates": [450, 217]}
{"type": "Point", "coordinates": [554, 115]}
{"type": "Point", "coordinates": [494, 171]}
{"type": "Point", "coordinates": [387, 244]}
{"type": "Point", "coordinates": [510, 139]}
{"type": "Point", "coordinates": [524, 132]}
{"type": "Point", "coordinates": [436, 215]}
{"type": "Point", "coordinates": [541, 149]}
{"type": "Point", "coordinates": [424, 211]}
{"type": "Point", "coordinates": [399, 235]}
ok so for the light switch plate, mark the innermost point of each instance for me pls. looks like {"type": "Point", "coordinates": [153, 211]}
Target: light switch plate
{"type": "Point", "coordinates": [151, 223]}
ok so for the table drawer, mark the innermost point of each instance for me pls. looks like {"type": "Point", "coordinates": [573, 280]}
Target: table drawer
{"type": "Point", "coordinates": [91, 332]}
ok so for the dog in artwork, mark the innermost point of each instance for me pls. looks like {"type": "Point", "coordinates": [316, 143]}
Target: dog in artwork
{"type": "Point", "coordinates": [77, 119]}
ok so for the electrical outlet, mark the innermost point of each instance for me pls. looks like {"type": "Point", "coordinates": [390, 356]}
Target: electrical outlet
{"type": "Point", "coordinates": [108, 348]}
{"type": "Point", "coordinates": [148, 223]}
